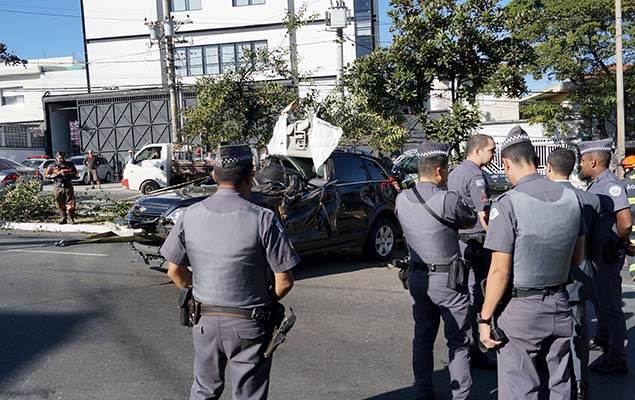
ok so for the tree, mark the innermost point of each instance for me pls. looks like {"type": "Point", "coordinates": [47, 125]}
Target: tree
{"type": "Point", "coordinates": [237, 106]}
{"type": "Point", "coordinates": [8, 58]}
{"type": "Point", "coordinates": [464, 43]}
{"type": "Point", "coordinates": [574, 42]}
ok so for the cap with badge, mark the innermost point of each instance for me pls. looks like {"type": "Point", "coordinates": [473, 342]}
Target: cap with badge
{"type": "Point", "coordinates": [229, 156]}
{"type": "Point", "coordinates": [430, 149]}
{"type": "Point", "coordinates": [516, 135]}
{"type": "Point", "coordinates": [593, 146]}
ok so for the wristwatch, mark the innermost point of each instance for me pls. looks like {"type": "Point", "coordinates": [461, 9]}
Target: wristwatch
{"type": "Point", "coordinates": [481, 320]}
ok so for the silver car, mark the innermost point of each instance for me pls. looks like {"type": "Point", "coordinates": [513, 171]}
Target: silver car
{"type": "Point", "coordinates": [104, 171]}
{"type": "Point", "coordinates": [41, 164]}
{"type": "Point", "coordinates": [12, 172]}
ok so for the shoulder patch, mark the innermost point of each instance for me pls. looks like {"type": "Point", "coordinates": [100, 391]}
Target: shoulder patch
{"type": "Point", "coordinates": [479, 182]}
{"type": "Point", "coordinates": [493, 214]}
{"type": "Point", "coordinates": [615, 190]}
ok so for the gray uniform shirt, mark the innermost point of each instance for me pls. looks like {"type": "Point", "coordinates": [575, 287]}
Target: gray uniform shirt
{"type": "Point", "coordinates": [612, 197]}
{"type": "Point", "coordinates": [503, 227]}
{"type": "Point", "coordinates": [429, 240]}
{"type": "Point", "coordinates": [232, 257]}
{"type": "Point", "coordinates": [469, 181]}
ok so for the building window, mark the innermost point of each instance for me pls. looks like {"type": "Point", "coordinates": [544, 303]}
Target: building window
{"type": "Point", "coordinates": [21, 136]}
{"type": "Point", "coordinates": [186, 5]}
{"type": "Point", "coordinates": [216, 59]}
{"type": "Point", "coordinates": [11, 97]}
{"type": "Point", "coordinates": [364, 27]}
{"type": "Point", "coordinates": [238, 3]}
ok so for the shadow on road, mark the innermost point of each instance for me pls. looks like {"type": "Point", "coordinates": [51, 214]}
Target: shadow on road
{"type": "Point", "coordinates": [24, 337]}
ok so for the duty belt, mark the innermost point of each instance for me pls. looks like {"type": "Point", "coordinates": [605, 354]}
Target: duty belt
{"type": "Point", "coordinates": [419, 266]}
{"type": "Point", "coordinates": [546, 291]}
{"type": "Point", "coordinates": [256, 314]}
{"type": "Point", "coordinates": [472, 237]}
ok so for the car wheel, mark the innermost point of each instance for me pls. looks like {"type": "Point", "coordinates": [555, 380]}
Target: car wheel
{"type": "Point", "coordinates": [107, 178]}
{"type": "Point", "coordinates": [381, 239]}
{"type": "Point", "coordinates": [86, 179]}
{"type": "Point", "coordinates": [148, 186]}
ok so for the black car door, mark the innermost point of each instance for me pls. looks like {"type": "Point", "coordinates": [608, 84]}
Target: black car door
{"type": "Point", "coordinates": [354, 188]}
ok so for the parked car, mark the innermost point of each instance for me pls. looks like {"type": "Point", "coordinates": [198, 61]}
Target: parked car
{"type": "Point", "coordinates": [41, 163]}
{"type": "Point", "coordinates": [348, 202]}
{"type": "Point", "coordinates": [12, 172]}
{"type": "Point", "coordinates": [104, 170]}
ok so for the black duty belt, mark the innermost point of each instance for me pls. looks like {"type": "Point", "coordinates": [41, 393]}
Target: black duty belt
{"type": "Point", "coordinates": [256, 314]}
{"type": "Point", "coordinates": [466, 238]}
{"type": "Point", "coordinates": [419, 266]}
{"type": "Point", "coordinates": [547, 291]}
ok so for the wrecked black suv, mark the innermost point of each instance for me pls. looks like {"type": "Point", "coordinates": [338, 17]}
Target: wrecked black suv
{"type": "Point", "coordinates": [348, 202]}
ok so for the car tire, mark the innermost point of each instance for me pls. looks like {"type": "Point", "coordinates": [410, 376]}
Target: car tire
{"type": "Point", "coordinates": [381, 239]}
{"type": "Point", "coordinates": [148, 186]}
{"type": "Point", "coordinates": [107, 178]}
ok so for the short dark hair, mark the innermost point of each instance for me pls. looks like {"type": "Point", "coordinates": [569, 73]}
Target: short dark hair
{"type": "Point", "coordinates": [520, 153]}
{"type": "Point", "coordinates": [477, 142]}
{"type": "Point", "coordinates": [603, 157]}
{"type": "Point", "coordinates": [427, 166]}
{"type": "Point", "coordinates": [60, 153]}
{"type": "Point", "coordinates": [562, 161]}
{"type": "Point", "coordinates": [235, 175]}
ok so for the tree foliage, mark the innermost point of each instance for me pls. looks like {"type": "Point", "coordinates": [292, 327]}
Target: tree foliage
{"type": "Point", "coordinates": [8, 58]}
{"type": "Point", "coordinates": [574, 41]}
{"type": "Point", "coordinates": [462, 43]}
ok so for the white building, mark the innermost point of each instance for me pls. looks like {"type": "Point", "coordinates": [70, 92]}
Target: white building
{"type": "Point", "coordinates": [119, 52]}
{"type": "Point", "coordinates": [21, 90]}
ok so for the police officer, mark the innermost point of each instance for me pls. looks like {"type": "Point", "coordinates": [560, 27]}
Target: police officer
{"type": "Point", "coordinates": [469, 181]}
{"type": "Point", "coordinates": [430, 218]}
{"type": "Point", "coordinates": [62, 173]}
{"type": "Point", "coordinates": [560, 165]}
{"type": "Point", "coordinates": [595, 157]}
{"type": "Point", "coordinates": [536, 232]}
{"type": "Point", "coordinates": [629, 185]}
{"type": "Point", "coordinates": [240, 259]}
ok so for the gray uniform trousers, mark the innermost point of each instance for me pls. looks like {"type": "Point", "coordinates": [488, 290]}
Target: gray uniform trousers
{"type": "Point", "coordinates": [611, 320]}
{"type": "Point", "coordinates": [433, 301]}
{"type": "Point", "coordinates": [536, 327]}
{"type": "Point", "coordinates": [478, 258]}
{"type": "Point", "coordinates": [579, 342]}
{"type": "Point", "coordinates": [241, 343]}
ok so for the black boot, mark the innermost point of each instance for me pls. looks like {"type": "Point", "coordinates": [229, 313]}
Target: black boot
{"type": "Point", "coordinates": [481, 360]}
{"type": "Point", "coordinates": [581, 389]}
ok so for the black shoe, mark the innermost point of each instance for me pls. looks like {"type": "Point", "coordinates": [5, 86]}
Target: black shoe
{"type": "Point", "coordinates": [606, 365]}
{"type": "Point", "coordinates": [597, 344]}
{"type": "Point", "coordinates": [480, 360]}
{"type": "Point", "coordinates": [581, 390]}
{"type": "Point", "coordinates": [63, 221]}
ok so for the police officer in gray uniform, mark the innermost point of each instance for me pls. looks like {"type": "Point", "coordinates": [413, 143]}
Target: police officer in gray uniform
{"type": "Point", "coordinates": [241, 260]}
{"type": "Point", "coordinates": [430, 218]}
{"type": "Point", "coordinates": [536, 232]}
{"type": "Point", "coordinates": [469, 181]}
{"type": "Point", "coordinates": [595, 157]}
{"type": "Point", "coordinates": [560, 165]}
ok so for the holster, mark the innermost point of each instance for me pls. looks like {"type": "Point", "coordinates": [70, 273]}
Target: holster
{"type": "Point", "coordinates": [404, 270]}
{"type": "Point", "coordinates": [457, 275]}
{"type": "Point", "coordinates": [189, 308]}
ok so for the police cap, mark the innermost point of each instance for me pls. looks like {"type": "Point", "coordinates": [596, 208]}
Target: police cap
{"type": "Point", "coordinates": [593, 146]}
{"type": "Point", "coordinates": [234, 155]}
{"type": "Point", "coordinates": [516, 135]}
{"type": "Point", "coordinates": [430, 149]}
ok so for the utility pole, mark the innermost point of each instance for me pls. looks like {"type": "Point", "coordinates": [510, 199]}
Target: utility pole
{"type": "Point", "coordinates": [293, 46]}
{"type": "Point", "coordinates": [619, 80]}
{"type": "Point", "coordinates": [164, 32]}
{"type": "Point", "coordinates": [337, 18]}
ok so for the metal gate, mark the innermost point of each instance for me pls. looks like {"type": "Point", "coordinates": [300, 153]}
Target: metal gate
{"type": "Point", "coordinates": [112, 126]}
{"type": "Point", "coordinates": [542, 146]}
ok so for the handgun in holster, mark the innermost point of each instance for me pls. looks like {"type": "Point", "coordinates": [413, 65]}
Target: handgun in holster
{"type": "Point", "coordinates": [189, 308]}
{"type": "Point", "coordinates": [282, 325]}
{"type": "Point", "coordinates": [404, 270]}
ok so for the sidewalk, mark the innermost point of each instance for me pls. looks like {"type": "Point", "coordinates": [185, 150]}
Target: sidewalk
{"type": "Point", "coordinates": [54, 227]}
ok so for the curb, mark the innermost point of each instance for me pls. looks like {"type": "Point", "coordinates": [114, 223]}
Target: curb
{"type": "Point", "coordinates": [50, 227]}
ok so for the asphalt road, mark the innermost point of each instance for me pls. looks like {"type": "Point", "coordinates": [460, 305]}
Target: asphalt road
{"type": "Point", "coordinates": [86, 322]}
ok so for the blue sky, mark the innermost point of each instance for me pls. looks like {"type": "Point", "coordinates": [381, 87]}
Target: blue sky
{"type": "Point", "coordinates": [32, 35]}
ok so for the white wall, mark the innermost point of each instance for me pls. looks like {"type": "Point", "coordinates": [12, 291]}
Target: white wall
{"type": "Point", "coordinates": [108, 18]}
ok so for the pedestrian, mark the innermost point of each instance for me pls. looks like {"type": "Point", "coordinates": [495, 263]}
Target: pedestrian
{"type": "Point", "coordinates": [91, 166]}
{"type": "Point", "coordinates": [130, 156]}
{"type": "Point", "coordinates": [595, 158]}
{"type": "Point", "coordinates": [469, 181]}
{"type": "Point", "coordinates": [629, 185]}
{"type": "Point", "coordinates": [430, 218]}
{"type": "Point", "coordinates": [62, 173]}
{"type": "Point", "coordinates": [560, 165]}
{"type": "Point", "coordinates": [536, 231]}
{"type": "Point", "coordinates": [244, 274]}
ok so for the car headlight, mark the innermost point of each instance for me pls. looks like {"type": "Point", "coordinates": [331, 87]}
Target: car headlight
{"type": "Point", "coordinates": [175, 215]}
